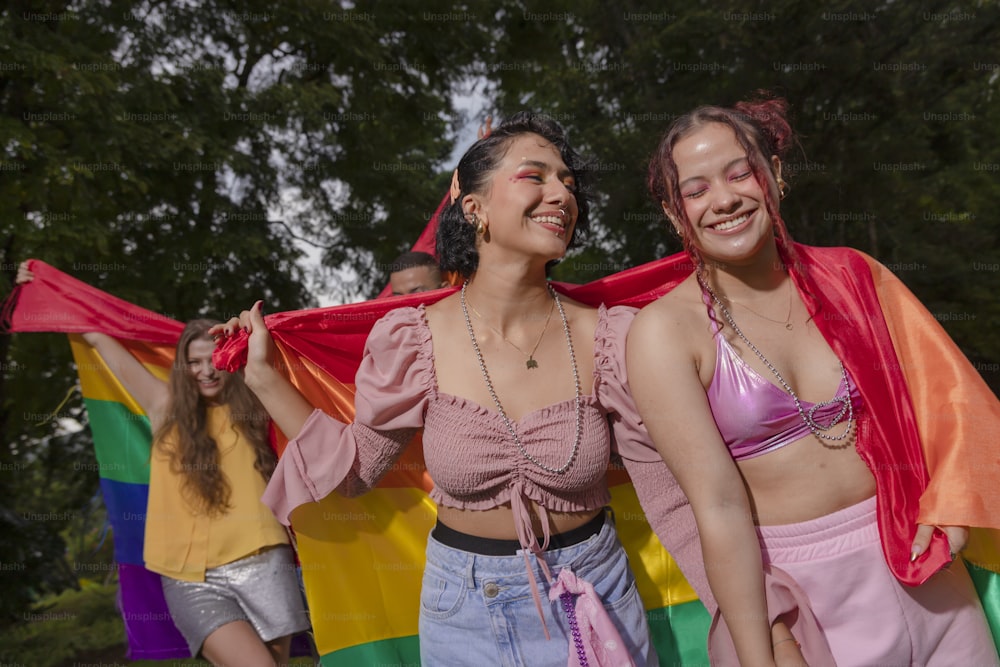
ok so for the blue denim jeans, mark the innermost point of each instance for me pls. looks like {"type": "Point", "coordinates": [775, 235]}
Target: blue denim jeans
{"type": "Point", "coordinates": [478, 610]}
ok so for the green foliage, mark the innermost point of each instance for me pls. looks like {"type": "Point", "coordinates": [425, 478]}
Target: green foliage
{"type": "Point", "coordinates": [79, 627]}
{"type": "Point", "coordinates": [172, 153]}
{"type": "Point", "coordinates": [48, 481]}
{"type": "Point", "coordinates": [894, 103]}
{"type": "Point", "coordinates": [64, 627]}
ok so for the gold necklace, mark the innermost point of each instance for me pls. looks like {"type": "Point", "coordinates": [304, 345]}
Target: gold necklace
{"type": "Point", "coordinates": [788, 318]}
{"type": "Point", "coordinates": [530, 363]}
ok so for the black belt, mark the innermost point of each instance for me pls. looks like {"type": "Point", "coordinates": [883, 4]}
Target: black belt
{"type": "Point", "coordinates": [488, 546]}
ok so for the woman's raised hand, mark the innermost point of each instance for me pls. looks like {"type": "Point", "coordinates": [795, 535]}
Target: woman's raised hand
{"type": "Point", "coordinates": [287, 407]}
{"type": "Point", "coordinates": [260, 345]}
{"type": "Point", "coordinates": [23, 274]}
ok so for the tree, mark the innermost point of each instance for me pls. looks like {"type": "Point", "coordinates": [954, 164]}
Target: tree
{"type": "Point", "coordinates": [895, 105]}
{"type": "Point", "coordinates": [174, 153]}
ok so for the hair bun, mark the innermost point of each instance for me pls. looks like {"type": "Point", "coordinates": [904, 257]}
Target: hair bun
{"type": "Point", "coordinates": [770, 114]}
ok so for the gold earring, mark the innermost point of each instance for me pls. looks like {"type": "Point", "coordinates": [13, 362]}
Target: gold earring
{"type": "Point", "coordinates": [783, 188]}
{"type": "Point", "coordinates": [675, 225]}
{"type": "Point", "coordinates": [477, 223]}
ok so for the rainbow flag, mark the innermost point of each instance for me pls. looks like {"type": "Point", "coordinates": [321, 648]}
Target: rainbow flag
{"type": "Point", "coordinates": [122, 440]}
{"type": "Point", "coordinates": [362, 558]}
{"type": "Point", "coordinates": [55, 301]}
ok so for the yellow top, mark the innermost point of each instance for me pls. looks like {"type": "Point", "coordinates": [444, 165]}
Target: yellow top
{"type": "Point", "coordinates": [183, 541]}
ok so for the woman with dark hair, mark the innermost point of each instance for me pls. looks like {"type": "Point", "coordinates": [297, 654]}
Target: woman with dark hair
{"type": "Point", "coordinates": [513, 386]}
{"type": "Point", "coordinates": [226, 565]}
{"type": "Point", "coordinates": [811, 458]}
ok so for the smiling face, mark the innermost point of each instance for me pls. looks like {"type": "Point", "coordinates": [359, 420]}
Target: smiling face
{"type": "Point", "coordinates": [207, 377]}
{"type": "Point", "coordinates": [722, 199]}
{"type": "Point", "coordinates": [530, 205]}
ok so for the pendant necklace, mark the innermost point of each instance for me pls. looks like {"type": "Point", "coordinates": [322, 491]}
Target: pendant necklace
{"type": "Point", "coordinates": [530, 363]}
{"type": "Point", "coordinates": [496, 400]}
{"type": "Point", "coordinates": [788, 318]}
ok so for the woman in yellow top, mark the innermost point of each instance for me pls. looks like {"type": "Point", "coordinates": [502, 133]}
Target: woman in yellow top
{"type": "Point", "coordinates": [227, 569]}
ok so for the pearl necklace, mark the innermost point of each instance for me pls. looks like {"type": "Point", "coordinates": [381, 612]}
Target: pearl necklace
{"type": "Point", "coordinates": [496, 400]}
{"type": "Point", "coordinates": [809, 417]}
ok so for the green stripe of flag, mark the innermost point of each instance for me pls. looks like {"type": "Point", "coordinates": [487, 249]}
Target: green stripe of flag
{"type": "Point", "coordinates": [680, 634]}
{"type": "Point", "coordinates": [401, 651]}
{"type": "Point", "coordinates": [121, 441]}
{"type": "Point", "coordinates": [988, 586]}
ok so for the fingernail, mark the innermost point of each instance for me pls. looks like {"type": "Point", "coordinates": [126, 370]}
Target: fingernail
{"type": "Point", "coordinates": [914, 553]}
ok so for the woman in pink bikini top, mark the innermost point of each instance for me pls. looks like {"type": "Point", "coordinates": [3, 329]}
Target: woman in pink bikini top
{"type": "Point", "coordinates": [776, 444]}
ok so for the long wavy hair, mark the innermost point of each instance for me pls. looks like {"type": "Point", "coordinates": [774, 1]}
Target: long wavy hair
{"type": "Point", "coordinates": [762, 129]}
{"type": "Point", "coordinates": [192, 450]}
{"type": "Point", "coordinates": [456, 238]}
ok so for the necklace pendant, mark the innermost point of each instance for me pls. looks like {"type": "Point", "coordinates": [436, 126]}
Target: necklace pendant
{"type": "Point", "coordinates": [845, 405]}
{"type": "Point", "coordinates": [531, 363]}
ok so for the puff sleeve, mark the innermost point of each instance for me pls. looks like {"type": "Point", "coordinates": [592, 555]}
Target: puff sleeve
{"type": "Point", "coordinates": [393, 385]}
{"type": "Point", "coordinates": [663, 502]}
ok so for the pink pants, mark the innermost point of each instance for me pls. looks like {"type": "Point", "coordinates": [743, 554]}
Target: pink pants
{"type": "Point", "coordinates": [867, 616]}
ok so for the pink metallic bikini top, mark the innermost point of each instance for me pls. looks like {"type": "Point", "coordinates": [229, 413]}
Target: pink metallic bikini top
{"type": "Point", "coordinates": [754, 415]}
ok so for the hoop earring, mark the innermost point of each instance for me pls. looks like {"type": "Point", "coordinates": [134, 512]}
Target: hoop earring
{"type": "Point", "coordinates": [783, 188]}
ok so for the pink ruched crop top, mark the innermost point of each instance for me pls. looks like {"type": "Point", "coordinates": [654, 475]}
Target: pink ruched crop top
{"type": "Point", "coordinates": [467, 448]}
{"type": "Point", "coordinates": [754, 415]}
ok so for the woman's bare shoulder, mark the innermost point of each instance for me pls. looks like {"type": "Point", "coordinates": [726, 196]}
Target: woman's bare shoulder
{"type": "Point", "coordinates": [682, 307]}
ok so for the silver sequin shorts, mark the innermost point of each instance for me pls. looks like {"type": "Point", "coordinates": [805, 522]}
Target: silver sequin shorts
{"type": "Point", "coordinates": [262, 589]}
